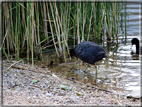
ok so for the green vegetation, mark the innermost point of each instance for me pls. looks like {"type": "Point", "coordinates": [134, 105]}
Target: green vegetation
{"type": "Point", "coordinates": [28, 28]}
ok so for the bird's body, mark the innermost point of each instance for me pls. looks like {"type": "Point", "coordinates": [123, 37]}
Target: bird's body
{"type": "Point", "coordinates": [88, 52]}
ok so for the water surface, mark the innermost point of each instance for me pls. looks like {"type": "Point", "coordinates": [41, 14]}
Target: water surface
{"type": "Point", "coordinates": [120, 72]}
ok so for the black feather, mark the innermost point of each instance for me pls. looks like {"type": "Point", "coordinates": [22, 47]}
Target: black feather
{"type": "Point", "coordinates": [88, 52]}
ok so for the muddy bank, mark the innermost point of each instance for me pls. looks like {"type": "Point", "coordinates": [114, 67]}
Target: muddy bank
{"type": "Point", "coordinates": [25, 84]}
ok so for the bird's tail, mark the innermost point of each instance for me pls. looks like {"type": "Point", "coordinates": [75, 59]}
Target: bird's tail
{"type": "Point", "coordinates": [105, 56]}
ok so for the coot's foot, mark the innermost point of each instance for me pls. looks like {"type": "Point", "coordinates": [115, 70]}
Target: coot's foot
{"type": "Point", "coordinates": [84, 71]}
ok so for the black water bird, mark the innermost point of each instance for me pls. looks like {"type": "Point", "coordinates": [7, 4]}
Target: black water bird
{"type": "Point", "coordinates": [135, 41]}
{"type": "Point", "coordinates": [88, 52]}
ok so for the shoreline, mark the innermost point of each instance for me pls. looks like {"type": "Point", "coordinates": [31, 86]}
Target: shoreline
{"type": "Point", "coordinates": [19, 89]}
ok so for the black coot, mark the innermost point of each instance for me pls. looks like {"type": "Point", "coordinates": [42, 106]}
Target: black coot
{"type": "Point", "coordinates": [135, 41]}
{"type": "Point", "coordinates": [88, 52]}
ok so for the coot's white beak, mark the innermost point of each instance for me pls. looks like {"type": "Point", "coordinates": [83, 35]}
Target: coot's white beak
{"type": "Point", "coordinates": [131, 46]}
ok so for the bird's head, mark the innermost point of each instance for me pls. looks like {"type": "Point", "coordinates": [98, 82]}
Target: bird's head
{"type": "Point", "coordinates": [72, 52]}
{"type": "Point", "coordinates": [134, 41]}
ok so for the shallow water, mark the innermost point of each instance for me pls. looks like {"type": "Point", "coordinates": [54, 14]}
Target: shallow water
{"type": "Point", "coordinates": [120, 72]}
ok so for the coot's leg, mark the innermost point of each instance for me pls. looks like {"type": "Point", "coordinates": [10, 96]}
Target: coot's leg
{"type": "Point", "coordinates": [86, 68]}
{"type": "Point", "coordinates": [78, 60]}
{"type": "Point", "coordinates": [96, 68]}
{"type": "Point", "coordinates": [95, 73]}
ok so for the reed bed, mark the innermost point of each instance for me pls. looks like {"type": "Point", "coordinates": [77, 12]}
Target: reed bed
{"type": "Point", "coordinates": [28, 28]}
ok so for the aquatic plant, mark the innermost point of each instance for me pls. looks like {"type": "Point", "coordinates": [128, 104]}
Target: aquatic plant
{"type": "Point", "coordinates": [32, 27]}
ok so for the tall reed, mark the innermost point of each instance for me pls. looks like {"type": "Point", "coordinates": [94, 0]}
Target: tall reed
{"type": "Point", "coordinates": [31, 27]}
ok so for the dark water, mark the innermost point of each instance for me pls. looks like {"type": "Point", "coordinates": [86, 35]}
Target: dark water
{"type": "Point", "coordinates": [120, 72]}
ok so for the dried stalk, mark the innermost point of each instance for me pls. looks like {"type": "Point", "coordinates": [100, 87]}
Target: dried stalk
{"type": "Point", "coordinates": [78, 11]}
{"type": "Point", "coordinates": [57, 30]}
{"type": "Point", "coordinates": [52, 32]}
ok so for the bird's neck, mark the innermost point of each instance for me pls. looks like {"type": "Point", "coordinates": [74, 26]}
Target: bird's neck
{"type": "Point", "coordinates": [137, 47]}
